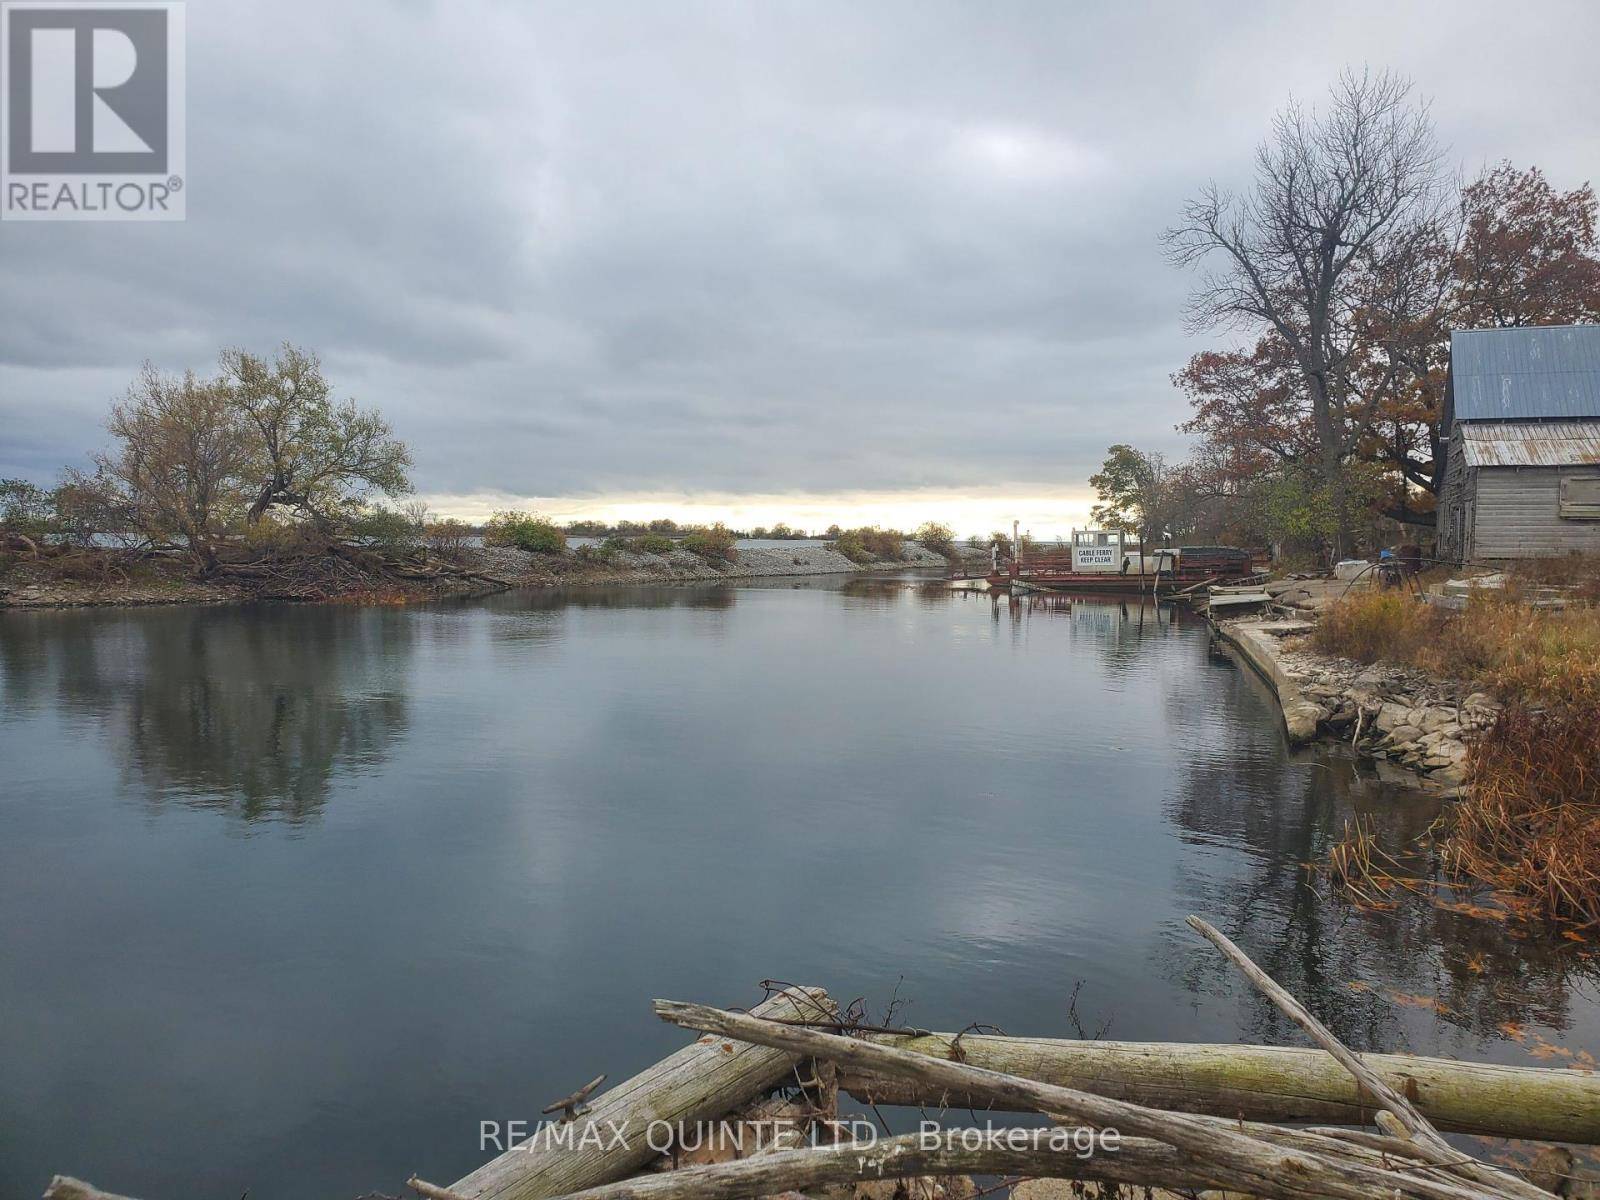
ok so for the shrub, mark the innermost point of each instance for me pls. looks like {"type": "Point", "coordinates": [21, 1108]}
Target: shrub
{"type": "Point", "coordinates": [941, 539]}
{"type": "Point", "coordinates": [275, 537]}
{"type": "Point", "coordinates": [853, 546]}
{"type": "Point", "coordinates": [448, 538]}
{"type": "Point", "coordinates": [525, 531]}
{"type": "Point", "coordinates": [712, 541]}
{"type": "Point", "coordinates": [1372, 625]}
{"type": "Point", "coordinates": [385, 530]}
{"type": "Point", "coordinates": [25, 509]}
{"type": "Point", "coordinates": [92, 510]}
{"type": "Point", "coordinates": [871, 544]}
{"type": "Point", "coordinates": [887, 544]}
{"type": "Point", "coordinates": [654, 543]}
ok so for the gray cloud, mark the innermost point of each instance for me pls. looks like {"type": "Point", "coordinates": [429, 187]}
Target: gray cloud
{"type": "Point", "coordinates": [576, 249]}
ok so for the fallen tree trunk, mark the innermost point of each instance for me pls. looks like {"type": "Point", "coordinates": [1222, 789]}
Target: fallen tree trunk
{"type": "Point", "coordinates": [1233, 1156]}
{"type": "Point", "coordinates": [65, 1187]}
{"type": "Point", "coordinates": [701, 1082]}
{"type": "Point", "coordinates": [1138, 1162]}
{"type": "Point", "coordinates": [1263, 1083]}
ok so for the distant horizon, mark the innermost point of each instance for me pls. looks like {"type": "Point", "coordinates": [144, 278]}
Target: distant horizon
{"type": "Point", "coordinates": [969, 515]}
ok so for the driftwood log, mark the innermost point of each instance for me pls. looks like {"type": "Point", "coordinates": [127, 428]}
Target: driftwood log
{"type": "Point", "coordinates": [1137, 1162]}
{"type": "Point", "coordinates": [701, 1082]}
{"type": "Point", "coordinates": [65, 1187]}
{"type": "Point", "coordinates": [1220, 1150]}
{"type": "Point", "coordinates": [1140, 1162]}
{"type": "Point", "coordinates": [1404, 1120]}
{"type": "Point", "coordinates": [1263, 1083]}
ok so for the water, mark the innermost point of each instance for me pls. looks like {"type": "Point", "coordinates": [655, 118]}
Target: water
{"type": "Point", "coordinates": [292, 898]}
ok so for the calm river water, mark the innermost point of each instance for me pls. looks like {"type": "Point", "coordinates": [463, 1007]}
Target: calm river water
{"type": "Point", "coordinates": [292, 898]}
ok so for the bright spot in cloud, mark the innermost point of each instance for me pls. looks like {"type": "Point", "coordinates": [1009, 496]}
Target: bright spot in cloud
{"type": "Point", "coordinates": [1023, 155]}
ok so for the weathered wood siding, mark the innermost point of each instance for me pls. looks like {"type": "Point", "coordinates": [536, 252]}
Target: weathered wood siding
{"type": "Point", "coordinates": [1454, 494]}
{"type": "Point", "coordinates": [1516, 514]}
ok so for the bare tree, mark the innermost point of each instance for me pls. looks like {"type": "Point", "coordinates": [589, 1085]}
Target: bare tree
{"type": "Point", "coordinates": [182, 449]}
{"type": "Point", "coordinates": [314, 456]}
{"type": "Point", "coordinates": [1337, 195]}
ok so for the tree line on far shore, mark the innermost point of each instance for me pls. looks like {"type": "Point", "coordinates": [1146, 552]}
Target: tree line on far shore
{"type": "Point", "coordinates": [259, 462]}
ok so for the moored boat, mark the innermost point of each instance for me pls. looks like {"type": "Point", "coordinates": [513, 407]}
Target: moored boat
{"type": "Point", "coordinates": [1099, 560]}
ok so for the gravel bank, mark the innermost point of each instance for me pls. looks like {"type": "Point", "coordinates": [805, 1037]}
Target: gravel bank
{"type": "Point", "coordinates": [680, 566]}
{"type": "Point", "coordinates": [31, 585]}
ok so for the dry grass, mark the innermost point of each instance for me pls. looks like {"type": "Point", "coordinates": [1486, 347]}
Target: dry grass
{"type": "Point", "coordinates": [1531, 823]}
{"type": "Point", "coordinates": [1532, 655]}
{"type": "Point", "coordinates": [1364, 871]}
{"type": "Point", "coordinates": [1377, 626]}
{"type": "Point", "coordinates": [1581, 572]}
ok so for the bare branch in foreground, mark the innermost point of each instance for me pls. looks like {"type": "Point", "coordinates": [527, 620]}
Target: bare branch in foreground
{"type": "Point", "coordinates": [1411, 1122]}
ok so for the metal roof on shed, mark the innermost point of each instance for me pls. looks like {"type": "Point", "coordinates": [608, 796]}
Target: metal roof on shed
{"type": "Point", "coordinates": [1531, 443]}
{"type": "Point", "coordinates": [1535, 371]}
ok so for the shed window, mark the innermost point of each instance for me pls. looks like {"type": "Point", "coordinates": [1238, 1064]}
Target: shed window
{"type": "Point", "coordinates": [1580, 497]}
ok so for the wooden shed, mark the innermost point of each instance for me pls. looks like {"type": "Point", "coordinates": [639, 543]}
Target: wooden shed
{"type": "Point", "coordinates": [1521, 428]}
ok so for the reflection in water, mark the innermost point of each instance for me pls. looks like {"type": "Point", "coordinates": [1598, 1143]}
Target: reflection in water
{"type": "Point", "coordinates": [561, 599]}
{"type": "Point", "coordinates": [1373, 976]}
{"type": "Point", "coordinates": [563, 802]}
{"type": "Point", "coordinates": [253, 715]}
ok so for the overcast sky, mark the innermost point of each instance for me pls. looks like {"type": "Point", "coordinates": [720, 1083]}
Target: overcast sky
{"type": "Point", "coordinates": [819, 260]}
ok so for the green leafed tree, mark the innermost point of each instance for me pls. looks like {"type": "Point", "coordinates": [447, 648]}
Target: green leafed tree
{"type": "Point", "coordinates": [26, 511]}
{"type": "Point", "coordinates": [1134, 489]}
{"type": "Point", "coordinates": [309, 454]}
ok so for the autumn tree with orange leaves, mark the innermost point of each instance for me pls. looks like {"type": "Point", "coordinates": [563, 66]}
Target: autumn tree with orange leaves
{"type": "Point", "coordinates": [1351, 262]}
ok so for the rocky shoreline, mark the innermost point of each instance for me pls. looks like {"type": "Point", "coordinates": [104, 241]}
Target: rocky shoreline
{"type": "Point", "coordinates": [29, 586]}
{"type": "Point", "coordinates": [1389, 713]}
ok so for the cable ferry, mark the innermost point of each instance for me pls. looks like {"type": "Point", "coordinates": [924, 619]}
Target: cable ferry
{"type": "Point", "coordinates": [1101, 560]}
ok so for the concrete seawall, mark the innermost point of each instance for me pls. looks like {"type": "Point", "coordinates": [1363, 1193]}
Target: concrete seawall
{"type": "Point", "coordinates": [1389, 712]}
{"type": "Point", "coordinates": [1256, 643]}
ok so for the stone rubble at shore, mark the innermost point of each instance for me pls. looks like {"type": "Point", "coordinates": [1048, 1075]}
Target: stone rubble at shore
{"type": "Point", "coordinates": [1406, 716]}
